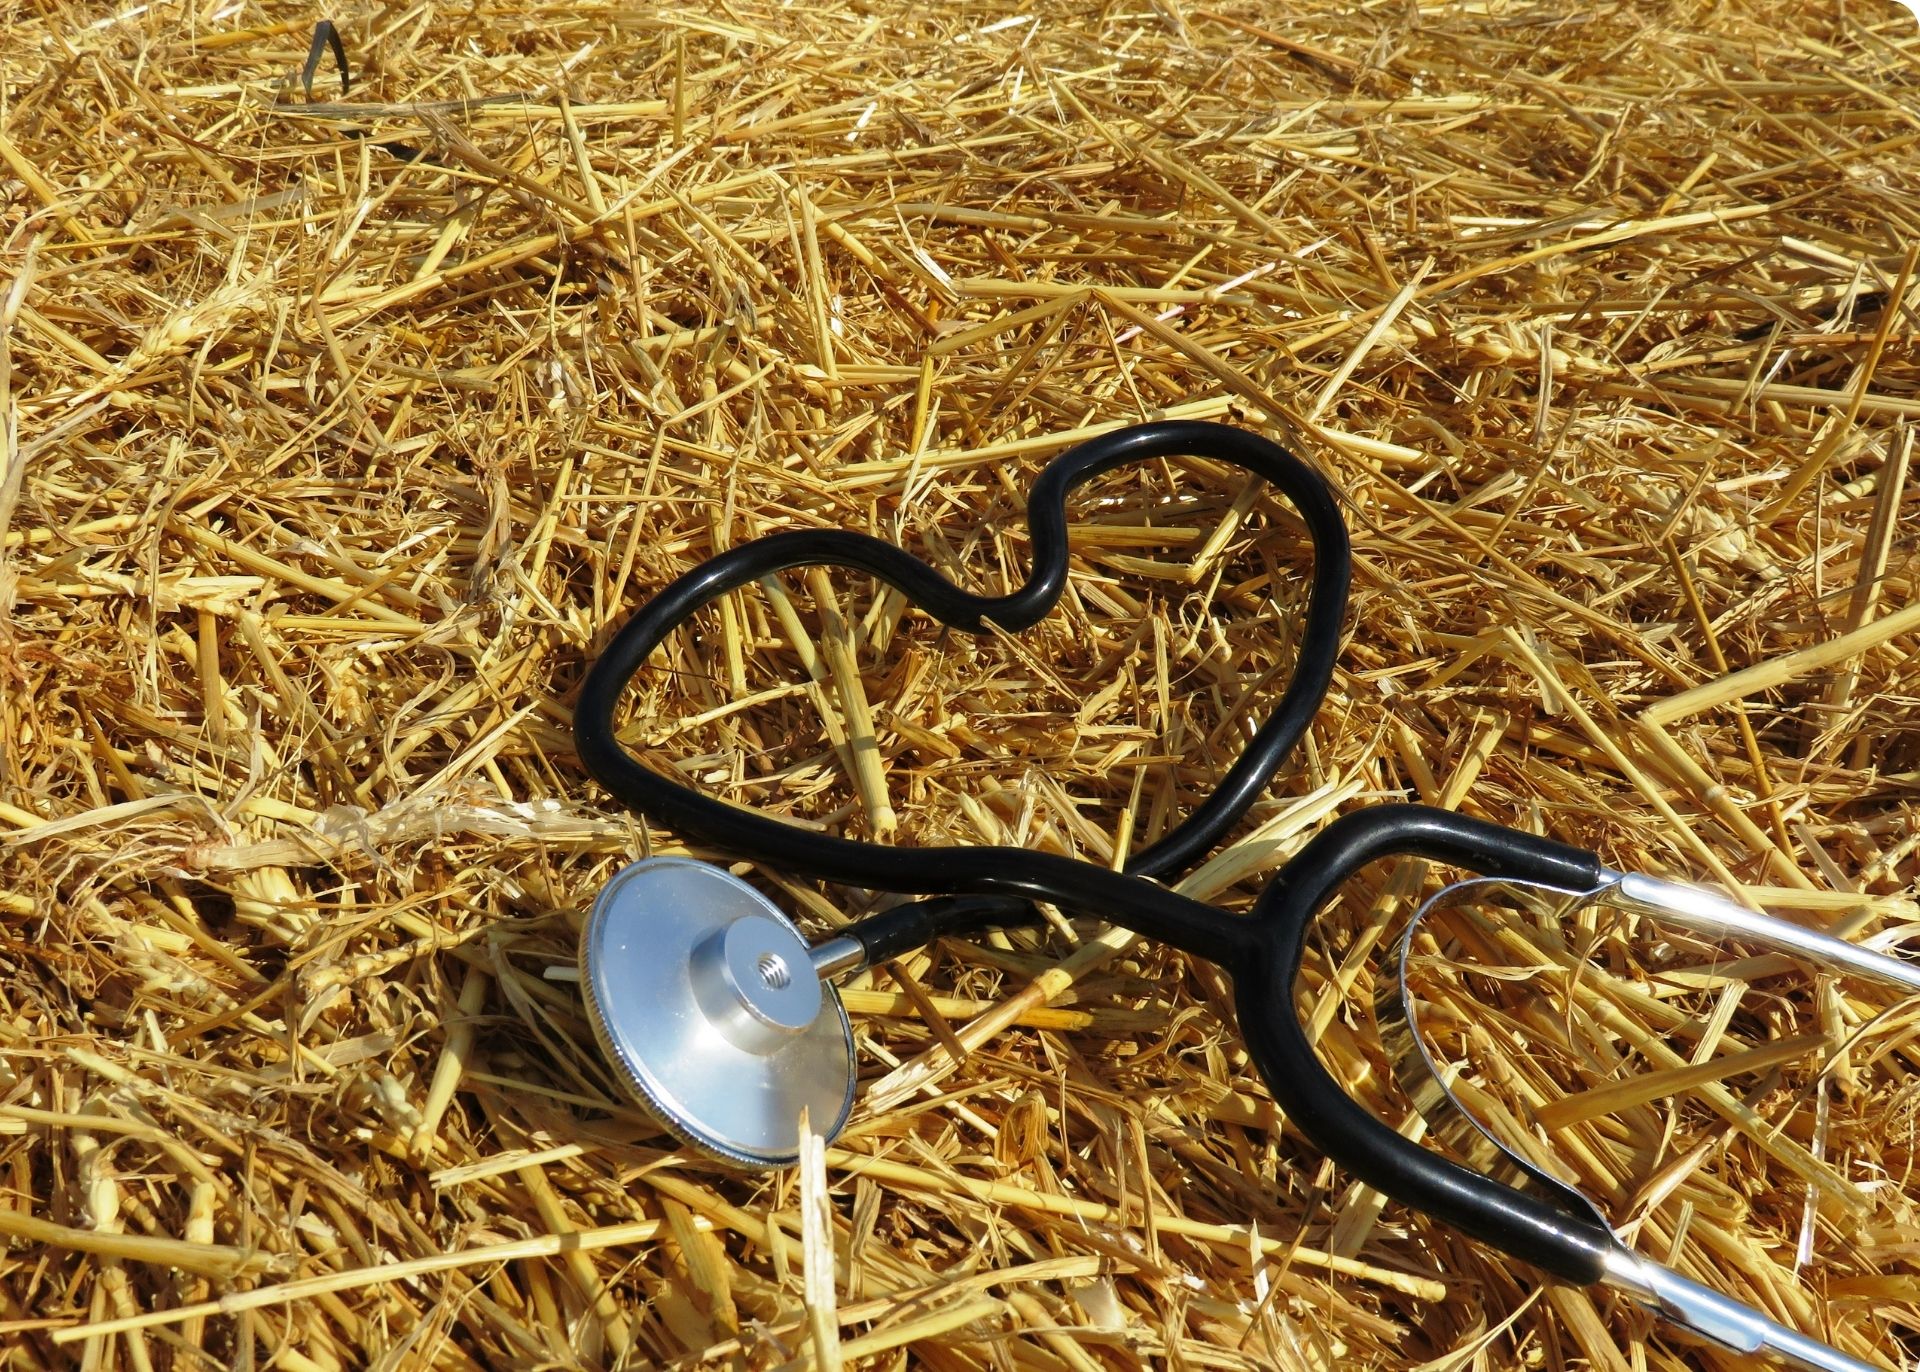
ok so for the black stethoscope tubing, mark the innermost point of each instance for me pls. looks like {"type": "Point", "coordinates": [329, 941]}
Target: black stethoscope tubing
{"type": "Point", "coordinates": [979, 887]}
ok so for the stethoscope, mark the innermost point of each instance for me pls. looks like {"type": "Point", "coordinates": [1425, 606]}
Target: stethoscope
{"type": "Point", "coordinates": [722, 1019]}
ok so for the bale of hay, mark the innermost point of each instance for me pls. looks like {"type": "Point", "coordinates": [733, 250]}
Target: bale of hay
{"type": "Point", "coordinates": [349, 394]}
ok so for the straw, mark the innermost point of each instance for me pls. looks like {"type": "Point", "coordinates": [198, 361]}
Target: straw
{"type": "Point", "coordinates": [345, 414]}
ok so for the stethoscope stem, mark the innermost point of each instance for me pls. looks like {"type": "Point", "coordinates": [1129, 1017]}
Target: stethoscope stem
{"type": "Point", "coordinates": [837, 955]}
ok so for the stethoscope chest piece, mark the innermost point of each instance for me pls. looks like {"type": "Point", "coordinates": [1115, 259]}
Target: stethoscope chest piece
{"type": "Point", "coordinates": [711, 1014]}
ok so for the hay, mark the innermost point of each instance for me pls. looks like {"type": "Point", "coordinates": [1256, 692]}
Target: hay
{"type": "Point", "coordinates": [341, 424]}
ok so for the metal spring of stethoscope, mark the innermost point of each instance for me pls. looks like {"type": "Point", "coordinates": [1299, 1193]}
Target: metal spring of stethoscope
{"type": "Point", "coordinates": [725, 1023]}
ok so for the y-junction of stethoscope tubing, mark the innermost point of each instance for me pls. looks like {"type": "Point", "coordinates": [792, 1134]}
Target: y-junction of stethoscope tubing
{"type": "Point", "coordinates": [1572, 1246]}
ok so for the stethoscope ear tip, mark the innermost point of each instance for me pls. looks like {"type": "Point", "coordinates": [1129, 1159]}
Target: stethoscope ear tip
{"type": "Point", "coordinates": [711, 1014]}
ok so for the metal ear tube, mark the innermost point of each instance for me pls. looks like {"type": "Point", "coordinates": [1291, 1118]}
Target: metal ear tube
{"type": "Point", "coordinates": [718, 1016]}
{"type": "Point", "coordinates": [1704, 912]}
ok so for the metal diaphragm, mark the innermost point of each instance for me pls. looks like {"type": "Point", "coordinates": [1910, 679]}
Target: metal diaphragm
{"type": "Point", "coordinates": [706, 1003]}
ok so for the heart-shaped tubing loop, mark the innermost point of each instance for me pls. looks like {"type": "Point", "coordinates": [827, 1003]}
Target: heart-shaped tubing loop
{"type": "Point", "coordinates": [1011, 878]}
